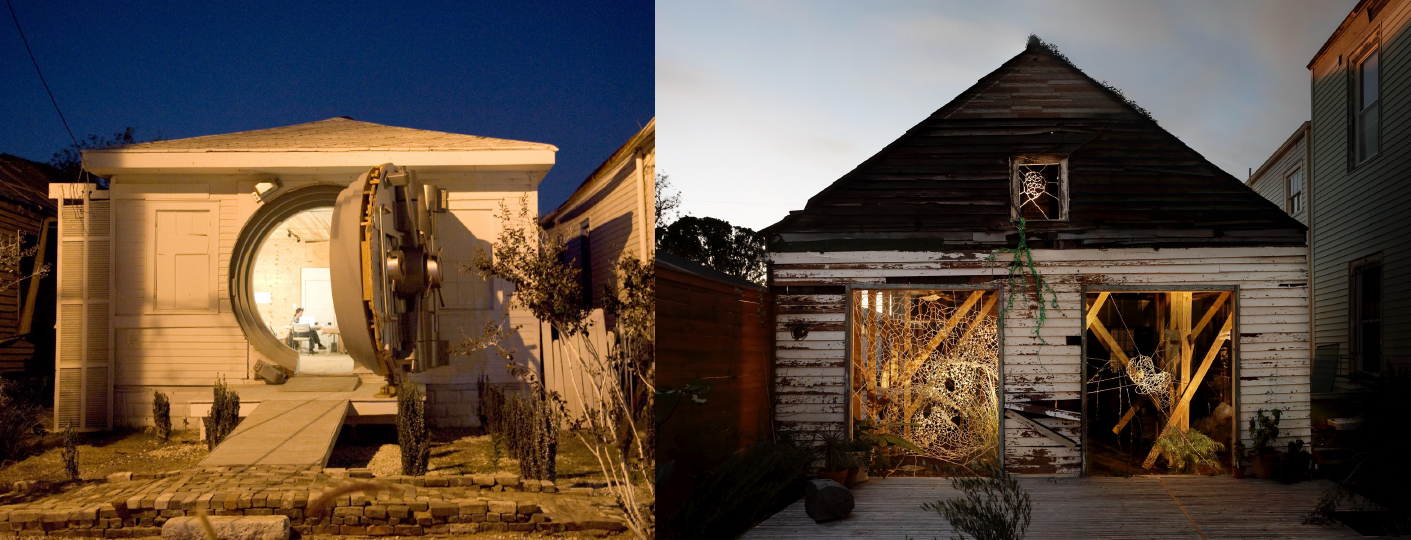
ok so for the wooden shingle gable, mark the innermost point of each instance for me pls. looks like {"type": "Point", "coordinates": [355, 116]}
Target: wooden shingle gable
{"type": "Point", "coordinates": [945, 184]}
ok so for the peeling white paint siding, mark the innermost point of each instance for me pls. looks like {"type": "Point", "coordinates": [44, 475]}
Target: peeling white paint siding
{"type": "Point", "coordinates": [1272, 324]}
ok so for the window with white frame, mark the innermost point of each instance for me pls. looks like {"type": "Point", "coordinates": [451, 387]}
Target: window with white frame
{"type": "Point", "coordinates": [1039, 187]}
{"type": "Point", "coordinates": [1295, 191]}
{"type": "Point", "coordinates": [1367, 110]}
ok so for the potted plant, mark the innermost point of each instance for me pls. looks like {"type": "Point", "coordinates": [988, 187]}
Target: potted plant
{"type": "Point", "coordinates": [1294, 463]}
{"type": "Point", "coordinates": [1263, 429]}
{"type": "Point", "coordinates": [1237, 469]}
{"type": "Point", "coordinates": [882, 446]}
{"type": "Point", "coordinates": [837, 463]}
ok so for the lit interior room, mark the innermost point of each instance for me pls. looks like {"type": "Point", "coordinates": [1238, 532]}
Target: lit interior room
{"type": "Point", "coordinates": [292, 292]}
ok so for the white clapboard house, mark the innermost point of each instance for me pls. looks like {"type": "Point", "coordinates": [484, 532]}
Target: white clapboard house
{"type": "Point", "coordinates": [163, 284]}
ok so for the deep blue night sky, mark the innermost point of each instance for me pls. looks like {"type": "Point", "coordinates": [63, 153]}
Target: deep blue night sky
{"type": "Point", "coordinates": [578, 75]}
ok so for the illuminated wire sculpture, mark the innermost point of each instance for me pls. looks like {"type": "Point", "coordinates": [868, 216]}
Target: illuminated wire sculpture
{"type": "Point", "coordinates": [1035, 187]}
{"type": "Point", "coordinates": [1150, 380]}
{"type": "Point", "coordinates": [927, 362]}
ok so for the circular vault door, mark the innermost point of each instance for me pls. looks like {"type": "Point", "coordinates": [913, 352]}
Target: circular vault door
{"type": "Point", "coordinates": [385, 269]}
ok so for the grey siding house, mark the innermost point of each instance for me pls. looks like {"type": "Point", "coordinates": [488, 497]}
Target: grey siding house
{"type": "Point", "coordinates": [1360, 190]}
{"type": "Point", "coordinates": [1283, 178]}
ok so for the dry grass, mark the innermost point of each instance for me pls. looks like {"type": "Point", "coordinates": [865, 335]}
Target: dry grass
{"type": "Point", "coordinates": [101, 454]}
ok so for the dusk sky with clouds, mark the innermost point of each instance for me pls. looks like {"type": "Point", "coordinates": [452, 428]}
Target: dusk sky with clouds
{"type": "Point", "coordinates": [763, 104]}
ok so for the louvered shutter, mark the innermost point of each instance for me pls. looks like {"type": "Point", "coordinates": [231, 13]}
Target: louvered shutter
{"type": "Point", "coordinates": [85, 334]}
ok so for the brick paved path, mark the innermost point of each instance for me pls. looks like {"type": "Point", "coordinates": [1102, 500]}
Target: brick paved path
{"type": "Point", "coordinates": [126, 507]}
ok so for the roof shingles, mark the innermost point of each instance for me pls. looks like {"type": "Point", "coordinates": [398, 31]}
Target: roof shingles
{"type": "Point", "coordinates": [331, 135]}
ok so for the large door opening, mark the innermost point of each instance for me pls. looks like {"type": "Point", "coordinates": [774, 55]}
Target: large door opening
{"type": "Point", "coordinates": [1160, 388]}
{"type": "Point", "coordinates": [292, 294]}
{"type": "Point", "coordinates": [925, 366]}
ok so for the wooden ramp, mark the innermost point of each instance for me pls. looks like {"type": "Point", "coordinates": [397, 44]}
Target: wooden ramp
{"type": "Point", "coordinates": [283, 432]}
{"type": "Point", "coordinates": [1196, 507]}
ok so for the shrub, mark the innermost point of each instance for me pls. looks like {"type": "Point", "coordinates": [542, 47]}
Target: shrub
{"type": "Point", "coordinates": [532, 425]}
{"type": "Point", "coordinates": [224, 415]}
{"type": "Point", "coordinates": [738, 493]}
{"type": "Point", "coordinates": [161, 415]}
{"type": "Point", "coordinates": [995, 507]}
{"type": "Point", "coordinates": [412, 435]}
{"type": "Point", "coordinates": [19, 423]}
{"type": "Point", "coordinates": [1264, 429]}
{"type": "Point", "coordinates": [71, 452]}
{"type": "Point", "coordinates": [491, 412]}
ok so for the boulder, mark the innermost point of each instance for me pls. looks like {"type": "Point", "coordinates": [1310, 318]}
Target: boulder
{"type": "Point", "coordinates": [273, 527]}
{"type": "Point", "coordinates": [826, 500]}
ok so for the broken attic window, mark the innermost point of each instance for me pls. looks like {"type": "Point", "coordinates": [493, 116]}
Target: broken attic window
{"type": "Point", "coordinates": [1040, 188]}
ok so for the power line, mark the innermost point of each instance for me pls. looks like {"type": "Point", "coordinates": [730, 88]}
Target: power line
{"type": "Point", "coordinates": [41, 73]}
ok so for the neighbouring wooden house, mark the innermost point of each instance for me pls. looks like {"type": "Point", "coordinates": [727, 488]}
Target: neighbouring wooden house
{"type": "Point", "coordinates": [1171, 299]}
{"type": "Point", "coordinates": [158, 275]}
{"type": "Point", "coordinates": [26, 325]}
{"type": "Point", "coordinates": [1283, 178]}
{"type": "Point", "coordinates": [611, 216]}
{"type": "Point", "coordinates": [1359, 193]}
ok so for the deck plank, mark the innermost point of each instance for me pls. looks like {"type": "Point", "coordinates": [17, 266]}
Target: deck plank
{"type": "Point", "coordinates": [1081, 508]}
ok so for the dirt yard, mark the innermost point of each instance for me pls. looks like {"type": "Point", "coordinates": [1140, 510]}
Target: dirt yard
{"type": "Point", "coordinates": [101, 454]}
{"type": "Point", "coordinates": [460, 450]}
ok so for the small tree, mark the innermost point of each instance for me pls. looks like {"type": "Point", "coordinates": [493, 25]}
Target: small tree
{"type": "Point", "coordinates": [161, 415]}
{"type": "Point", "coordinates": [528, 256]}
{"type": "Point", "coordinates": [224, 415]}
{"type": "Point", "coordinates": [412, 435]}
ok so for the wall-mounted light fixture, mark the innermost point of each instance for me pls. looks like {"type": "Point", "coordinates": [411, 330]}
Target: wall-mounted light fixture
{"type": "Point", "coordinates": [267, 188]}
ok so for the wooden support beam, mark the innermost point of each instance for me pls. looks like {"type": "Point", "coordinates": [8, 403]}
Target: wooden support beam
{"type": "Point", "coordinates": [1179, 411]}
{"type": "Point", "coordinates": [1181, 322]}
{"type": "Point", "coordinates": [1042, 429]}
{"type": "Point", "coordinates": [1097, 306]}
{"type": "Point", "coordinates": [1210, 313]}
{"type": "Point", "coordinates": [1046, 411]}
{"type": "Point", "coordinates": [1111, 344]}
{"type": "Point", "coordinates": [1131, 412]}
{"type": "Point", "coordinates": [941, 335]}
{"type": "Point", "coordinates": [984, 310]}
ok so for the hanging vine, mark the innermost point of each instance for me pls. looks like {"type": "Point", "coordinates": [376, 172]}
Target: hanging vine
{"type": "Point", "coordinates": [1022, 267]}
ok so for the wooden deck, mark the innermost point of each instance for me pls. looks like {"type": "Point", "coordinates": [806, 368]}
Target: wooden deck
{"type": "Point", "coordinates": [1082, 508]}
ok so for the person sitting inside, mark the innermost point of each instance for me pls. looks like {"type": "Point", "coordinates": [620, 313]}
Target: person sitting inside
{"type": "Point", "coordinates": [311, 334]}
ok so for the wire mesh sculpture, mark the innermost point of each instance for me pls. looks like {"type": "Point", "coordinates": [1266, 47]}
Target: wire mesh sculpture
{"type": "Point", "coordinates": [926, 367]}
{"type": "Point", "coordinates": [1150, 380]}
{"type": "Point", "coordinates": [1034, 187]}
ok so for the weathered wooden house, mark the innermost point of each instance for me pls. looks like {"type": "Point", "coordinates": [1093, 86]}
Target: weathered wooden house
{"type": "Point", "coordinates": [1147, 294]}
{"type": "Point", "coordinates": [158, 275]}
{"type": "Point", "coordinates": [1359, 193]}
{"type": "Point", "coordinates": [26, 325]}
{"type": "Point", "coordinates": [1283, 178]}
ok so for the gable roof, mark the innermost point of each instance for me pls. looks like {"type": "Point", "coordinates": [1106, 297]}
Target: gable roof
{"type": "Point", "coordinates": [26, 182]}
{"type": "Point", "coordinates": [341, 134]}
{"type": "Point", "coordinates": [295, 146]}
{"type": "Point", "coordinates": [946, 180]}
{"type": "Point", "coordinates": [589, 192]}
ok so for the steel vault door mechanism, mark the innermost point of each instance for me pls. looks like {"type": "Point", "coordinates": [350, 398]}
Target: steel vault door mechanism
{"type": "Point", "coordinates": [385, 263]}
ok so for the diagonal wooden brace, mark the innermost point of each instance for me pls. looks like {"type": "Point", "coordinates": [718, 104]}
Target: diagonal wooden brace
{"type": "Point", "coordinates": [1042, 429]}
{"type": "Point", "coordinates": [940, 336]}
{"type": "Point", "coordinates": [1180, 410]}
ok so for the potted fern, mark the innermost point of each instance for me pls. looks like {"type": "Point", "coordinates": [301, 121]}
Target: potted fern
{"type": "Point", "coordinates": [1263, 429]}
